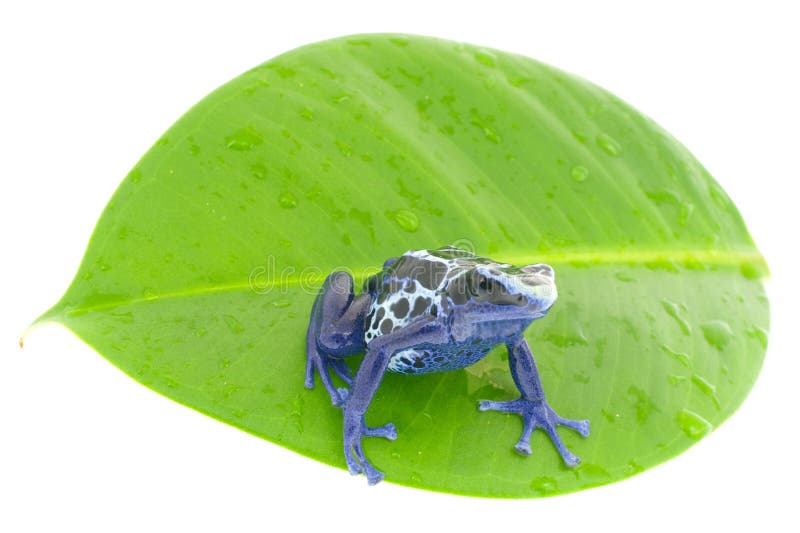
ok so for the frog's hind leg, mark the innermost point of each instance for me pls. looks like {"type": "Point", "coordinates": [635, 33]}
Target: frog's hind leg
{"type": "Point", "coordinates": [336, 330]}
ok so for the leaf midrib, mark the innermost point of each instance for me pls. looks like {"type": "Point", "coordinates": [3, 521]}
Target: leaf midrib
{"type": "Point", "coordinates": [652, 258]}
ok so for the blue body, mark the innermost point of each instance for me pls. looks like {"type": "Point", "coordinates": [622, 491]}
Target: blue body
{"type": "Point", "coordinates": [431, 311]}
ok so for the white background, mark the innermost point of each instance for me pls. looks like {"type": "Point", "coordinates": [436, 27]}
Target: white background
{"type": "Point", "coordinates": [86, 89]}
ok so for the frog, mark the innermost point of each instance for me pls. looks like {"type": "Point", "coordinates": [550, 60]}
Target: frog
{"type": "Point", "coordinates": [431, 310]}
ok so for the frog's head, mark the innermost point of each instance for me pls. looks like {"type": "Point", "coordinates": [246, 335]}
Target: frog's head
{"type": "Point", "coordinates": [521, 291]}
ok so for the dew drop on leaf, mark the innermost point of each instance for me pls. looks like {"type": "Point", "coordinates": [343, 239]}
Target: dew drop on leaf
{"type": "Point", "coordinates": [609, 145]}
{"type": "Point", "coordinates": [406, 219]}
{"type": "Point", "coordinates": [692, 424]}
{"type": "Point", "coordinates": [287, 200]}
{"type": "Point", "coordinates": [544, 485]}
{"type": "Point", "coordinates": [233, 324]}
{"type": "Point", "coordinates": [579, 173]}
{"type": "Point", "coordinates": [717, 332]}
{"type": "Point", "coordinates": [706, 388]}
{"type": "Point", "coordinates": [675, 311]}
{"type": "Point", "coordinates": [243, 139]}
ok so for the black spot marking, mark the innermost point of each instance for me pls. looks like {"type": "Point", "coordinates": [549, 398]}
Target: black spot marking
{"type": "Point", "coordinates": [419, 363]}
{"type": "Point", "coordinates": [428, 273]}
{"type": "Point", "coordinates": [457, 290]}
{"type": "Point", "coordinates": [440, 359]}
{"type": "Point", "coordinates": [386, 326]}
{"type": "Point", "coordinates": [410, 287]}
{"type": "Point", "coordinates": [420, 305]}
{"type": "Point", "coordinates": [380, 314]}
{"type": "Point", "coordinates": [405, 360]}
{"type": "Point", "coordinates": [434, 310]}
{"type": "Point", "coordinates": [400, 308]}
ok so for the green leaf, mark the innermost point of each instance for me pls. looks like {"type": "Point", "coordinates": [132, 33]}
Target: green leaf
{"type": "Point", "coordinates": [200, 276]}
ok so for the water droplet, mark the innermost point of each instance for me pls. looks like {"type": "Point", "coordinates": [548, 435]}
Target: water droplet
{"type": "Point", "coordinates": [307, 113]}
{"type": "Point", "coordinates": [760, 334]}
{"type": "Point", "coordinates": [675, 379]}
{"type": "Point", "coordinates": [717, 333]}
{"type": "Point", "coordinates": [579, 173]}
{"type": "Point", "coordinates": [399, 42]}
{"type": "Point", "coordinates": [135, 175]}
{"type": "Point", "coordinates": [339, 98]}
{"type": "Point", "coordinates": [681, 357]}
{"type": "Point", "coordinates": [344, 148]}
{"type": "Point", "coordinates": [258, 171]}
{"type": "Point", "coordinates": [406, 219]}
{"type": "Point", "coordinates": [754, 269]}
{"type": "Point", "coordinates": [643, 403]}
{"type": "Point", "coordinates": [194, 149]}
{"type": "Point", "coordinates": [609, 416]}
{"type": "Point", "coordinates": [674, 310]}
{"type": "Point", "coordinates": [632, 468]}
{"type": "Point", "coordinates": [485, 57]}
{"type": "Point", "coordinates": [416, 478]}
{"type": "Point", "coordinates": [694, 425]}
{"type": "Point", "coordinates": [624, 276]}
{"type": "Point", "coordinates": [544, 485]}
{"type": "Point", "coordinates": [285, 243]}
{"type": "Point", "coordinates": [423, 104]}
{"type": "Point", "coordinates": [568, 335]}
{"type": "Point", "coordinates": [609, 145]}
{"type": "Point", "coordinates": [581, 377]}
{"type": "Point", "coordinates": [283, 72]}
{"type": "Point", "coordinates": [125, 318]}
{"type": "Point", "coordinates": [287, 200]}
{"type": "Point", "coordinates": [592, 474]}
{"type": "Point", "coordinates": [706, 388]}
{"type": "Point", "coordinates": [233, 324]}
{"type": "Point", "coordinates": [282, 303]}
{"type": "Point", "coordinates": [485, 124]}
{"type": "Point", "coordinates": [149, 293]}
{"type": "Point", "coordinates": [243, 139]}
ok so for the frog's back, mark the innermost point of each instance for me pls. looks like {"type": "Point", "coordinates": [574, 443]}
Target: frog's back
{"type": "Point", "coordinates": [413, 286]}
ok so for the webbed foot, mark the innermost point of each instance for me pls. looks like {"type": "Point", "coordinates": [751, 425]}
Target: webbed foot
{"type": "Point", "coordinates": [354, 429]}
{"type": "Point", "coordinates": [536, 413]}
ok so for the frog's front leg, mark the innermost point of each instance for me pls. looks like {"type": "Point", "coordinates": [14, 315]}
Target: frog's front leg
{"type": "Point", "coordinates": [367, 379]}
{"type": "Point", "coordinates": [336, 330]}
{"type": "Point", "coordinates": [532, 405]}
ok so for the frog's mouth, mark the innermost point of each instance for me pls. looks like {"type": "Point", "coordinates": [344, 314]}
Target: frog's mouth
{"type": "Point", "coordinates": [539, 290]}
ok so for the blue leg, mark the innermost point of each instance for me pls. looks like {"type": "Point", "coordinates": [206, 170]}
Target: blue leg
{"type": "Point", "coordinates": [366, 382]}
{"type": "Point", "coordinates": [532, 405]}
{"type": "Point", "coordinates": [336, 330]}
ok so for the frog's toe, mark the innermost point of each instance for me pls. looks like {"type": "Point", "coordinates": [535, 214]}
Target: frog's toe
{"type": "Point", "coordinates": [344, 394]}
{"type": "Point", "coordinates": [511, 406]}
{"type": "Point", "coordinates": [387, 431]}
{"type": "Point", "coordinates": [373, 475]}
{"type": "Point", "coordinates": [523, 448]}
{"type": "Point", "coordinates": [357, 463]}
{"type": "Point", "coordinates": [581, 426]}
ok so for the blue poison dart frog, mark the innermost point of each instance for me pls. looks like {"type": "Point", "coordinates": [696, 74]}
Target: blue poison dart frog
{"type": "Point", "coordinates": [431, 311]}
